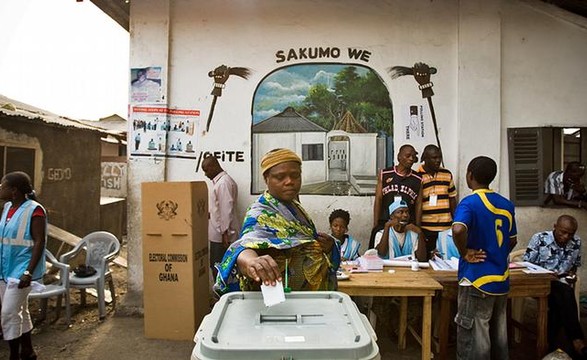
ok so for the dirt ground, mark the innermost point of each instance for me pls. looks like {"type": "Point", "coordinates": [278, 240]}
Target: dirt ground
{"type": "Point", "coordinates": [118, 336]}
{"type": "Point", "coordinates": [121, 334]}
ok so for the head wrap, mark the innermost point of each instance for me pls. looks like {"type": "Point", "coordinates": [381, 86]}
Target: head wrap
{"type": "Point", "coordinates": [396, 205]}
{"type": "Point", "coordinates": [276, 157]}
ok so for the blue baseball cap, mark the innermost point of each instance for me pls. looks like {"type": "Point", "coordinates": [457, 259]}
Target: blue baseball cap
{"type": "Point", "coordinates": [397, 205]}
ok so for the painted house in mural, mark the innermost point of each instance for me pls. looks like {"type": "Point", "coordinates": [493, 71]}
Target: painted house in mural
{"type": "Point", "coordinates": [342, 161]}
{"type": "Point", "coordinates": [355, 155]}
{"type": "Point", "coordinates": [290, 130]}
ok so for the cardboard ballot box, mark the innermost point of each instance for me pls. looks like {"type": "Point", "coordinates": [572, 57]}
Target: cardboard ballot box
{"type": "Point", "coordinates": [175, 258]}
{"type": "Point", "coordinates": [308, 325]}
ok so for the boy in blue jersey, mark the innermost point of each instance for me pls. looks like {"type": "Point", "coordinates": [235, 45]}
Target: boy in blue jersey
{"type": "Point", "coordinates": [484, 231]}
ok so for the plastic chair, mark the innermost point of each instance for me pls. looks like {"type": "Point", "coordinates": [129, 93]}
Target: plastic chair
{"type": "Point", "coordinates": [518, 303]}
{"type": "Point", "coordinates": [101, 248]}
{"type": "Point", "coordinates": [59, 289]}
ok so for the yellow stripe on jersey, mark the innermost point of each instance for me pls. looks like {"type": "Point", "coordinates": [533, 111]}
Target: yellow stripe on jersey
{"type": "Point", "coordinates": [493, 209]}
{"type": "Point", "coordinates": [491, 278]}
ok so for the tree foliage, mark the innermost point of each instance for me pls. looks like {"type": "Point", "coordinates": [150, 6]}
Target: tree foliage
{"type": "Point", "coordinates": [366, 97]}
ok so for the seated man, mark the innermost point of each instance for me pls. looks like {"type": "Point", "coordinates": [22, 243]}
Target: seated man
{"type": "Point", "coordinates": [399, 237]}
{"type": "Point", "coordinates": [566, 188]}
{"type": "Point", "coordinates": [559, 250]}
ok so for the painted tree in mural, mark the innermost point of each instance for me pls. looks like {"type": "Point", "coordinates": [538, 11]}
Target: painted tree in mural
{"type": "Point", "coordinates": [364, 96]}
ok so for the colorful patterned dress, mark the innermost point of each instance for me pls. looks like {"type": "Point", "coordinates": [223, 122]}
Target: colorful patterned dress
{"type": "Point", "coordinates": [284, 231]}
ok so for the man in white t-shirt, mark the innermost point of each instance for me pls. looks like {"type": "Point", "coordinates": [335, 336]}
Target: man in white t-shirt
{"type": "Point", "coordinates": [399, 237]}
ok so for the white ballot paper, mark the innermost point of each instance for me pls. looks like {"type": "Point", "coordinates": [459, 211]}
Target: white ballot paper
{"type": "Point", "coordinates": [273, 295]}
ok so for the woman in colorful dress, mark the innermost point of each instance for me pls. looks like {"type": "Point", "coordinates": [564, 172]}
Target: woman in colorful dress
{"type": "Point", "coordinates": [277, 230]}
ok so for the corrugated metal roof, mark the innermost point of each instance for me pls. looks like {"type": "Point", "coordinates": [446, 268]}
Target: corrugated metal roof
{"type": "Point", "coordinates": [11, 107]}
{"type": "Point", "coordinates": [287, 121]}
{"type": "Point", "coordinates": [114, 123]}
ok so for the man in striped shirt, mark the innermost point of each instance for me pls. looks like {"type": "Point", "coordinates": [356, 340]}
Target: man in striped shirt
{"type": "Point", "coordinates": [435, 208]}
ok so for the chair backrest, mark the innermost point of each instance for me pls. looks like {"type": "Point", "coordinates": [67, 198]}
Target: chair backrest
{"type": "Point", "coordinates": [517, 255]}
{"type": "Point", "coordinates": [98, 245]}
{"type": "Point", "coordinates": [63, 283]}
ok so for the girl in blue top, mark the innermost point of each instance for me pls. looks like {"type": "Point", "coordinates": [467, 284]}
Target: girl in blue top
{"type": "Point", "coordinates": [339, 225]}
{"type": "Point", "coordinates": [23, 227]}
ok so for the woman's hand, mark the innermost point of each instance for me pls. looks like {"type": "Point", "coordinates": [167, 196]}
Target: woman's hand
{"type": "Point", "coordinates": [259, 268]}
{"type": "Point", "coordinates": [326, 242]}
{"type": "Point", "coordinates": [25, 281]}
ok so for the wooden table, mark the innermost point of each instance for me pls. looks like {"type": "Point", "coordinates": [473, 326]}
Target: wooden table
{"type": "Point", "coordinates": [403, 283]}
{"type": "Point", "coordinates": [521, 285]}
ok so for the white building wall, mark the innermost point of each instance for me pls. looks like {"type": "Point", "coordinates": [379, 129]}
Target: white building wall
{"type": "Point", "coordinates": [500, 64]}
{"type": "Point", "coordinates": [363, 154]}
{"type": "Point", "coordinates": [313, 171]}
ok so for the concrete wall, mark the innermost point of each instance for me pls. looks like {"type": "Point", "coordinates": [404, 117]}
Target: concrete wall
{"type": "Point", "coordinates": [500, 64]}
{"type": "Point", "coordinates": [68, 184]}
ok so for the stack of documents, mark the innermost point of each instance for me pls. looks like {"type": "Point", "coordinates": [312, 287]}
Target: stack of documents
{"type": "Point", "coordinates": [440, 264]}
{"type": "Point", "coordinates": [370, 262]}
{"type": "Point", "coordinates": [532, 268]}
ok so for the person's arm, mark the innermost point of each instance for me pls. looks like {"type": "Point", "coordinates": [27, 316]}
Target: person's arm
{"type": "Point", "coordinates": [513, 242]}
{"type": "Point", "coordinates": [326, 242]}
{"type": "Point", "coordinates": [419, 203]}
{"type": "Point", "coordinates": [452, 203]}
{"type": "Point", "coordinates": [421, 247]}
{"type": "Point", "coordinates": [378, 200]}
{"type": "Point", "coordinates": [38, 234]}
{"type": "Point", "coordinates": [561, 200]}
{"type": "Point", "coordinates": [383, 245]}
{"type": "Point", "coordinates": [259, 268]}
{"type": "Point", "coordinates": [533, 250]}
{"type": "Point", "coordinates": [452, 197]}
{"type": "Point", "coordinates": [459, 235]}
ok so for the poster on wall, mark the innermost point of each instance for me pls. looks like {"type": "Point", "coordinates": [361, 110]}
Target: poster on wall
{"type": "Point", "coordinates": [182, 134]}
{"type": "Point", "coordinates": [414, 126]}
{"type": "Point", "coordinates": [158, 131]}
{"type": "Point", "coordinates": [149, 131]}
{"type": "Point", "coordinates": [146, 85]}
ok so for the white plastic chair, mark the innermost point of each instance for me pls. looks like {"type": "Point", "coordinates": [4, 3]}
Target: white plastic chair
{"type": "Point", "coordinates": [101, 248]}
{"type": "Point", "coordinates": [59, 289]}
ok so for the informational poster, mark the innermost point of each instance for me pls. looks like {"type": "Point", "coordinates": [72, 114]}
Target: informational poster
{"type": "Point", "coordinates": [182, 135]}
{"type": "Point", "coordinates": [146, 85]}
{"type": "Point", "coordinates": [158, 131]}
{"type": "Point", "coordinates": [414, 128]}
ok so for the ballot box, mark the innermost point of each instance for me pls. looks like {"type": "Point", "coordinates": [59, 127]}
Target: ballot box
{"type": "Point", "coordinates": [175, 258]}
{"type": "Point", "coordinates": [308, 325]}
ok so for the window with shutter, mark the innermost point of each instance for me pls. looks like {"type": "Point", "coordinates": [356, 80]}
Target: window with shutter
{"type": "Point", "coordinates": [536, 152]}
{"type": "Point", "coordinates": [525, 162]}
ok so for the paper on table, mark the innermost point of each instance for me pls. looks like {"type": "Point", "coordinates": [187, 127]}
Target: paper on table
{"type": "Point", "coordinates": [404, 263]}
{"type": "Point", "coordinates": [273, 295]}
{"type": "Point", "coordinates": [533, 268]}
{"type": "Point", "coordinates": [440, 264]}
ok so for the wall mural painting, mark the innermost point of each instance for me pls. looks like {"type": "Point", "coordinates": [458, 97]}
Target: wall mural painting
{"type": "Point", "coordinates": [338, 117]}
{"type": "Point", "coordinates": [221, 75]}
